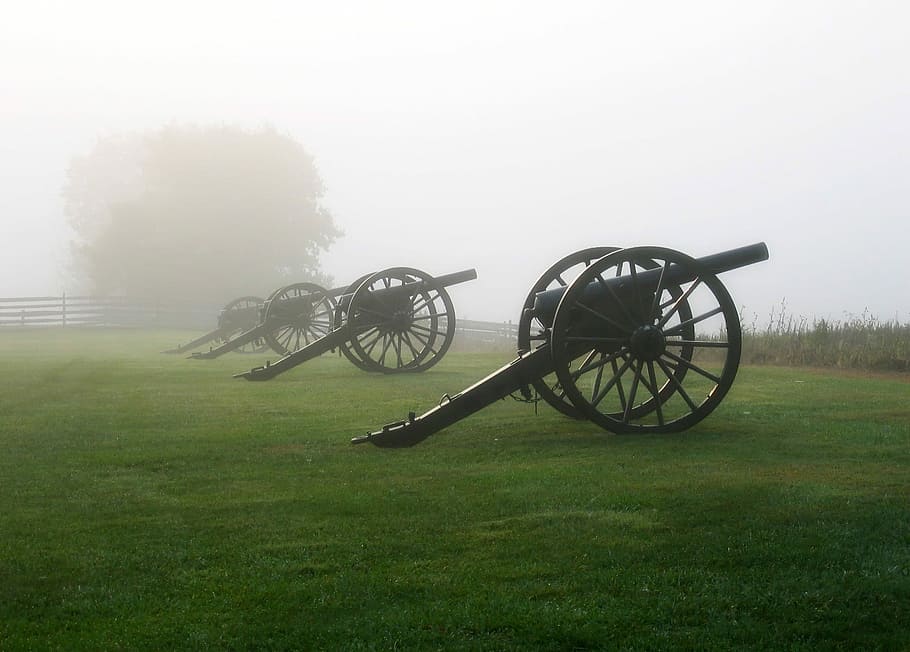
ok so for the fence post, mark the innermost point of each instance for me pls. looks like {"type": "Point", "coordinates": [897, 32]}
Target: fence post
{"type": "Point", "coordinates": [63, 305]}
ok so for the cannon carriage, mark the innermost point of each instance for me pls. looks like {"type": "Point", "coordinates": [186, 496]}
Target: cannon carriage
{"type": "Point", "coordinates": [644, 339]}
{"type": "Point", "coordinates": [396, 320]}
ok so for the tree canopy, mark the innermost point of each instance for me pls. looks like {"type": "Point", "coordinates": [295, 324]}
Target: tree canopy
{"type": "Point", "coordinates": [197, 213]}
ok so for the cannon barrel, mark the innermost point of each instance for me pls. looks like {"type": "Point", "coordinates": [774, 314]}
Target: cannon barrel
{"type": "Point", "coordinates": [541, 361]}
{"type": "Point", "coordinates": [545, 303]}
{"type": "Point", "coordinates": [344, 332]}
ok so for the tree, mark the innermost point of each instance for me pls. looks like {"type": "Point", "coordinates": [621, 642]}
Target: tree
{"type": "Point", "coordinates": [197, 213]}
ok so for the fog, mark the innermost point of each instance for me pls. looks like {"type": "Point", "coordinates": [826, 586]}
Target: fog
{"type": "Point", "coordinates": [503, 135]}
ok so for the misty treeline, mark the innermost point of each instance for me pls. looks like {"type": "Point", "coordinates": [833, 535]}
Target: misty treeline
{"type": "Point", "coordinates": [196, 213]}
{"type": "Point", "coordinates": [856, 342]}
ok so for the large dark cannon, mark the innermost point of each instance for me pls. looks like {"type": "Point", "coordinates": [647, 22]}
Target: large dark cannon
{"type": "Point", "coordinates": [396, 320]}
{"type": "Point", "coordinates": [644, 339]}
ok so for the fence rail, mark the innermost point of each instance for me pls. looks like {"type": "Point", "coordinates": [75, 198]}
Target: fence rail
{"type": "Point", "coordinates": [89, 311]}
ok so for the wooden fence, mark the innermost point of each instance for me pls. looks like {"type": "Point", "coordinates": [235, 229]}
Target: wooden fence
{"type": "Point", "coordinates": [87, 311]}
{"type": "Point", "coordinates": [64, 311]}
{"type": "Point", "coordinates": [486, 334]}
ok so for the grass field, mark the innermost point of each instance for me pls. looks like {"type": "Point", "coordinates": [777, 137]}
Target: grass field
{"type": "Point", "coordinates": [153, 502]}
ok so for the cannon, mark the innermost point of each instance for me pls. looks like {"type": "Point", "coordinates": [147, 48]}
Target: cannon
{"type": "Point", "coordinates": [291, 317]}
{"type": "Point", "coordinates": [644, 339]}
{"type": "Point", "coordinates": [396, 320]}
{"type": "Point", "coordinates": [236, 317]}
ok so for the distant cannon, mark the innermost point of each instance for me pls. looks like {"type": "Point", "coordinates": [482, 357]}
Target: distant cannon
{"type": "Point", "coordinates": [644, 339]}
{"type": "Point", "coordinates": [292, 317]}
{"type": "Point", "coordinates": [396, 320]}
{"type": "Point", "coordinates": [236, 317]}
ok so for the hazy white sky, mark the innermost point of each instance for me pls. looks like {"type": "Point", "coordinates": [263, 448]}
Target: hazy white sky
{"type": "Point", "coordinates": [502, 135]}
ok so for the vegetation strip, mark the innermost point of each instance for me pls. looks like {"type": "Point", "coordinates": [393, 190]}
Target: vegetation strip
{"type": "Point", "coordinates": [151, 502]}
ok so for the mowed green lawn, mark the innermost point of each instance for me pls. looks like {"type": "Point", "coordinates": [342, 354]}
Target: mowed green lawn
{"type": "Point", "coordinates": [154, 502]}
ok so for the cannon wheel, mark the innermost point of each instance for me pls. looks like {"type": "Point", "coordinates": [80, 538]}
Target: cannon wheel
{"type": "Point", "coordinates": [532, 332]}
{"type": "Point", "coordinates": [648, 365]}
{"type": "Point", "coordinates": [314, 322]}
{"type": "Point", "coordinates": [239, 316]}
{"type": "Point", "coordinates": [407, 333]}
{"type": "Point", "coordinates": [561, 274]}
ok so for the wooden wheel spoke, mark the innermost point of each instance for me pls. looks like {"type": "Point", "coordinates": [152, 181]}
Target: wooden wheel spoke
{"type": "Point", "coordinates": [587, 366]}
{"type": "Point", "coordinates": [428, 331]}
{"type": "Point", "coordinates": [706, 344]}
{"type": "Point", "coordinates": [679, 302]}
{"type": "Point", "coordinates": [368, 350]}
{"type": "Point", "coordinates": [407, 340]}
{"type": "Point", "coordinates": [671, 374]}
{"type": "Point", "coordinates": [693, 367]}
{"type": "Point", "coordinates": [396, 346]}
{"type": "Point", "coordinates": [627, 413]}
{"type": "Point", "coordinates": [645, 382]}
{"type": "Point", "coordinates": [321, 329]}
{"type": "Point", "coordinates": [620, 390]}
{"type": "Point", "coordinates": [420, 338]}
{"type": "Point", "coordinates": [595, 400]}
{"type": "Point", "coordinates": [591, 355]}
{"type": "Point", "coordinates": [285, 335]}
{"type": "Point", "coordinates": [655, 305]}
{"type": "Point", "coordinates": [435, 315]}
{"type": "Point", "coordinates": [427, 301]}
{"type": "Point", "coordinates": [386, 343]}
{"type": "Point", "coordinates": [598, 378]}
{"type": "Point", "coordinates": [678, 328]}
{"type": "Point", "coordinates": [655, 393]}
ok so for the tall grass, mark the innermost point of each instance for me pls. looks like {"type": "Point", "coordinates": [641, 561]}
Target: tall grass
{"type": "Point", "coordinates": [856, 342]}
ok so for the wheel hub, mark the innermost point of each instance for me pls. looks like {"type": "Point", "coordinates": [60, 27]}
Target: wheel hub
{"type": "Point", "coordinates": [648, 342]}
{"type": "Point", "coordinates": [401, 321]}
